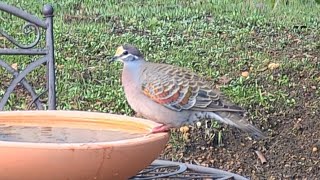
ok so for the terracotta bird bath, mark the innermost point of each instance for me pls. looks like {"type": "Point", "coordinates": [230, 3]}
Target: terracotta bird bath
{"type": "Point", "coordinates": [67, 145]}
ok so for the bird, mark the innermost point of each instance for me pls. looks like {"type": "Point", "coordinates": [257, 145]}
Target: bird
{"type": "Point", "coordinates": [174, 96]}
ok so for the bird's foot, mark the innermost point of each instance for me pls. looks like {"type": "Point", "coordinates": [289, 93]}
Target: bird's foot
{"type": "Point", "coordinates": [138, 115]}
{"type": "Point", "coordinates": [158, 129]}
{"type": "Point", "coordinates": [161, 128]}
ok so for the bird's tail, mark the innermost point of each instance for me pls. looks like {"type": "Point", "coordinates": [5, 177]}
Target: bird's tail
{"type": "Point", "coordinates": [237, 119]}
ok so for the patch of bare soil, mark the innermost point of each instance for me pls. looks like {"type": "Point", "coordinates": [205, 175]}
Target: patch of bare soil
{"type": "Point", "coordinates": [292, 150]}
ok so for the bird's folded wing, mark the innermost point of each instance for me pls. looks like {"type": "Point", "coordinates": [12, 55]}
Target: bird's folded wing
{"type": "Point", "coordinates": [179, 89]}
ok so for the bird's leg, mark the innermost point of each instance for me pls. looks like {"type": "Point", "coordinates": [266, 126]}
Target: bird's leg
{"type": "Point", "coordinates": [138, 115]}
{"type": "Point", "coordinates": [160, 128]}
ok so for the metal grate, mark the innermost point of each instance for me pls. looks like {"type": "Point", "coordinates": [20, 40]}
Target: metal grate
{"type": "Point", "coordinates": [161, 169]}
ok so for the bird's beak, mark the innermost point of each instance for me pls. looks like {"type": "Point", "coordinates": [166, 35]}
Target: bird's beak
{"type": "Point", "coordinates": [114, 58]}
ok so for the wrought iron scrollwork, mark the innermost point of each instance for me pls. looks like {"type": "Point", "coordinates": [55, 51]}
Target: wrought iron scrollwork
{"type": "Point", "coordinates": [33, 25]}
{"type": "Point", "coordinates": [161, 169]}
{"type": "Point", "coordinates": [26, 29]}
{"type": "Point", "coordinates": [24, 82]}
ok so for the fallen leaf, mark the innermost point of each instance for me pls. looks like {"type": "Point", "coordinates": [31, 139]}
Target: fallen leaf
{"type": "Point", "coordinates": [91, 68]}
{"type": "Point", "coordinates": [60, 66]}
{"type": "Point", "coordinates": [98, 103]}
{"type": "Point", "coordinates": [307, 55]}
{"type": "Point", "coordinates": [184, 129]}
{"type": "Point", "coordinates": [297, 41]}
{"type": "Point", "coordinates": [15, 66]}
{"type": "Point", "coordinates": [273, 66]}
{"type": "Point", "coordinates": [262, 69]}
{"type": "Point", "coordinates": [186, 136]}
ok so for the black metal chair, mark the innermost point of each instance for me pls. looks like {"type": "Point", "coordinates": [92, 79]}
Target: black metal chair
{"type": "Point", "coordinates": [159, 169]}
{"type": "Point", "coordinates": [48, 54]}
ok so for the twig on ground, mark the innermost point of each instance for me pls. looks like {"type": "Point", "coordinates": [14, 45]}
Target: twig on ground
{"type": "Point", "coordinates": [261, 157]}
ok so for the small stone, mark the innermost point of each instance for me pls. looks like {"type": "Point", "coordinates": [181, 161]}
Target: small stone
{"type": "Point", "coordinates": [314, 149]}
{"type": "Point", "coordinates": [198, 124]}
{"type": "Point", "coordinates": [245, 74]}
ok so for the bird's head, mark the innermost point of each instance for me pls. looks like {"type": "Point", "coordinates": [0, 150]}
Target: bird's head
{"type": "Point", "coordinates": [127, 53]}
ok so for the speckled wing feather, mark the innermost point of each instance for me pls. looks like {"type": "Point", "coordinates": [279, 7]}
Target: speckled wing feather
{"type": "Point", "coordinates": [179, 89]}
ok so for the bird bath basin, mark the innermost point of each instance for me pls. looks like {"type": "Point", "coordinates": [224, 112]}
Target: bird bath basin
{"type": "Point", "coordinates": [75, 145]}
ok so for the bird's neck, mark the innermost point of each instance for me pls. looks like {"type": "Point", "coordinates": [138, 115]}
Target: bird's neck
{"type": "Point", "coordinates": [131, 73]}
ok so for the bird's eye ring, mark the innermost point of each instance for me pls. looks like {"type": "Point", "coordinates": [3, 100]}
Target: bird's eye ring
{"type": "Point", "coordinates": [125, 53]}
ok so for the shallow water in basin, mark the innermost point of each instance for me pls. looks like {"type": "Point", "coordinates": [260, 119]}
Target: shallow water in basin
{"type": "Point", "coordinates": [38, 134]}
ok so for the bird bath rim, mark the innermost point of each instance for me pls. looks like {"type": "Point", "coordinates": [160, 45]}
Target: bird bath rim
{"type": "Point", "coordinates": [74, 116]}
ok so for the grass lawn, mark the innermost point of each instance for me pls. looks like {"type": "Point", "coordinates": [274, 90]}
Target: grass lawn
{"type": "Point", "coordinates": [265, 59]}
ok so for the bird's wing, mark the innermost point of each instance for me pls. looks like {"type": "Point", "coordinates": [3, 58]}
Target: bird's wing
{"type": "Point", "coordinates": [179, 89]}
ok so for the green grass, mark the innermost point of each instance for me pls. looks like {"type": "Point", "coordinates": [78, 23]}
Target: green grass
{"type": "Point", "coordinates": [214, 38]}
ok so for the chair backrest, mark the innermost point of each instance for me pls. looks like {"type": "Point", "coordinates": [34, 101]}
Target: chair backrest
{"type": "Point", "coordinates": [47, 55]}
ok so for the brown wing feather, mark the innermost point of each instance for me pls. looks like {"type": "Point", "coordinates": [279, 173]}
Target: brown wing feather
{"type": "Point", "coordinates": [178, 89]}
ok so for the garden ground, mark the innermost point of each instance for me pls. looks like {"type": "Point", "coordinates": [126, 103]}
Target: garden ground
{"type": "Point", "coordinates": [265, 59]}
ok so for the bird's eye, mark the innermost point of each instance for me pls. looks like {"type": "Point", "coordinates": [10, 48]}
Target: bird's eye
{"type": "Point", "coordinates": [125, 53]}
